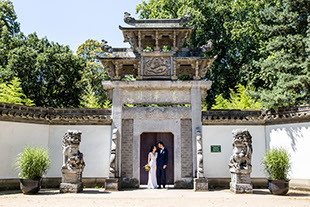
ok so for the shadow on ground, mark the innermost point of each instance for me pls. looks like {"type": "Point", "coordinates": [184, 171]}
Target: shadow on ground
{"type": "Point", "coordinates": [53, 192]}
{"type": "Point", "coordinates": [290, 194]}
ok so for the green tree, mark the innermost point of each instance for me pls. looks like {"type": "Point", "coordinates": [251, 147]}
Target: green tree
{"type": "Point", "coordinates": [284, 66]}
{"type": "Point", "coordinates": [237, 100]}
{"type": "Point", "coordinates": [8, 17]}
{"type": "Point", "coordinates": [50, 73]}
{"type": "Point", "coordinates": [89, 98]}
{"type": "Point", "coordinates": [94, 72]}
{"type": "Point", "coordinates": [11, 92]}
{"type": "Point", "coordinates": [232, 25]}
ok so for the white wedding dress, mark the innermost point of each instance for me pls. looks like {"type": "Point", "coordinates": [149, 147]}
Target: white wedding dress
{"type": "Point", "coordinates": [152, 181]}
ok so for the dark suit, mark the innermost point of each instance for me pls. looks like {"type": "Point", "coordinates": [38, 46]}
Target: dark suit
{"type": "Point", "coordinates": [162, 159]}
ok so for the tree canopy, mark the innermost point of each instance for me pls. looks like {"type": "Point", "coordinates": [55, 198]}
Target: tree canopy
{"type": "Point", "coordinates": [93, 73]}
{"type": "Point", "coordinates": [284, 64]}
{"type": "Point", "coordinates": [263, 44]}
{"type": "Point", "coordinates": [50, 73]}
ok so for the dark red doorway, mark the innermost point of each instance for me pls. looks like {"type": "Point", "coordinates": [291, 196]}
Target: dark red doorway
{"type": "Point", "coordinates": [146, 141]}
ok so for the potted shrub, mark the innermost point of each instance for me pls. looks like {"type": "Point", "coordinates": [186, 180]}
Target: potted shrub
{"type": "Point", "coordinates": [277, 166]}
{"type": "Point", "coordinates": [32, 164]}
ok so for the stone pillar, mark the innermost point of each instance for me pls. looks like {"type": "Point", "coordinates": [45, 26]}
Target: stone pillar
{"type": "Point", "coordinates": [240, 162]}
{"type": "Point", "coordinates": [73, 163]}
{"type": "Point", "coordinates": [196, 120]}
{"type": "Point", "coordinates": [113, 182]}
{"type": "Point", "coordinates": [200, 183]}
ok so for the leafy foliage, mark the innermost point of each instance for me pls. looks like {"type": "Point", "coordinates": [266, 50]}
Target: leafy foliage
{"type": "Point", "coordinates": [165, 49]}
{"type": "Point", "coordinates": [50, 73]}
{"type": "Point", "coordinates": [277, 164]}
{"type": "Point", "coordinates": [94, 72]}
{"type": "Point", "coordinates": [89, 99]}
{"type": "Point", "coordinates": [8, 17]}
{"type": "Point", "coordinates": [237, 100]}
{"type": "Point", "coordinates": [148, 49]}
{"type": "Point", "coordinates": [11, 92]}
{"type": "Point", "coordinates": [33, 162]}
{"type": "Point", "coordinates": [284, 66]}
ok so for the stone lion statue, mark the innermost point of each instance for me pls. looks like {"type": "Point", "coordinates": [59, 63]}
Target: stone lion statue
{"type": "Point", "coordinates": [72, 157]}
{"type": "Point", "coordinates": [242, 150]}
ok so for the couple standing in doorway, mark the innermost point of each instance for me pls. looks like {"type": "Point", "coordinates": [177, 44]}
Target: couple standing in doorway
{"type": "Point", "coordinates": [157, 160]}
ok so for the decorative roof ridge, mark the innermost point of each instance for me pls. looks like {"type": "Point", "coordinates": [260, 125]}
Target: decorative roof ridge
{"type": "Point", "coordinates": [263, 116]}
{"type": "Point", "coordinates": [15, 112]}
{"type": "Point", "coordinates": [128, 19]}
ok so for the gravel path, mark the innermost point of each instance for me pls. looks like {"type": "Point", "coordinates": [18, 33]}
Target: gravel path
{"type": "Point", "coordinates": [146, 198]}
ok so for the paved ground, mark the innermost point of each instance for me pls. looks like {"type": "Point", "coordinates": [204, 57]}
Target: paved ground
{"type": "Point", "coordinates": [147, 198]}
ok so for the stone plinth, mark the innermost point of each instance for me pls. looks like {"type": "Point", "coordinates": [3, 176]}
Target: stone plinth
{"type": "Point", "coordinates": [241, 182]}
{"type": "Point", "coordinates": [201, 184]}
{"type": "Point", "coordinates": [112, 184]}
{"type": "Point", "coordinates": [71, 187]}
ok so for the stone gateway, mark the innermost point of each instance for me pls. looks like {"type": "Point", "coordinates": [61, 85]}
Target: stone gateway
{"type": "Point", "coordinates": [157, 61]}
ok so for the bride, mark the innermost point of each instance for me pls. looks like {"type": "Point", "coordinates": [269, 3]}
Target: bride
{"type": "Point", "coordinates": [152, 181]}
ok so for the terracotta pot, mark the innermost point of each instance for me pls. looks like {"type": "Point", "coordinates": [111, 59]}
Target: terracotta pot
{"type": "Point", "coordinates": [30, 186]}
{"type": "Point", "coordinates": [278, 187]}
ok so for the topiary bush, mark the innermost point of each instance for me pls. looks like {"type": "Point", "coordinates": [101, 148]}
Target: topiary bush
{"type": "Point", "coordinates": [33, 162]}
{"type": "Point", "coordinates": [277, 164]}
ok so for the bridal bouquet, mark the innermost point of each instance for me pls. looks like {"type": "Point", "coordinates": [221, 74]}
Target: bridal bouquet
{"type": "Point", "coordinates": [147, 167]}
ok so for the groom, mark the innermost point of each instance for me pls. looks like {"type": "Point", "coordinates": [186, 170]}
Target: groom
{"type": "Point", "coordinates": [162, 160]}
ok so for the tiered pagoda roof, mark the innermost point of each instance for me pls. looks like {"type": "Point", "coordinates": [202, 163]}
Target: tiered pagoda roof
{"type": "Point", "coordinates": [156, 51]}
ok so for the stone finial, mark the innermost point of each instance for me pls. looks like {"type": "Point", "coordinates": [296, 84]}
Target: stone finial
{"type": "Point", "coordinates": [207, 47]}
{"type": "Point", "coordinates": [73, 163]}
{"type": "Point", "coordinates": [128, 19]}
{"type": "Point", "coordinates": [184, 19]}
{"type": "Point", "coordinates": [105, 47]}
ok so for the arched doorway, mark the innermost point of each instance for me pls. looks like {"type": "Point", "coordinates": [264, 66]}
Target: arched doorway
{"type": "Point", "coordinates": [147, 139]}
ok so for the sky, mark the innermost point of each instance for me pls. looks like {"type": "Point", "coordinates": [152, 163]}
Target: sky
{"type": "Point", "coordinates": [71, 22]}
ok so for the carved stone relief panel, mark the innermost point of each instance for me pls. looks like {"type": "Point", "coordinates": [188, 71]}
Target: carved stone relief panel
{"type": "Point", "coordinates": [157, 66]}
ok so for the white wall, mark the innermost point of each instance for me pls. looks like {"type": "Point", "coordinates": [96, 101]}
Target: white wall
{"type": "Point", "coordinates": [216, 164]}
{"type": "Point", "coordinates": [13, 137]}
{"type": "Point", "coordinates": [95, 146]}
{"type": "Point", "coordinates": [296, 139]}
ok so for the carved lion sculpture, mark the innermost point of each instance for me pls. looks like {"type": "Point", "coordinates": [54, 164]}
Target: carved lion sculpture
{"type": "Point", "coordinates": [72, 157]}
{"type": "Point", "coordinates": [76, 161]}
{"type": "Point", "coordinates": [242, 150]}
